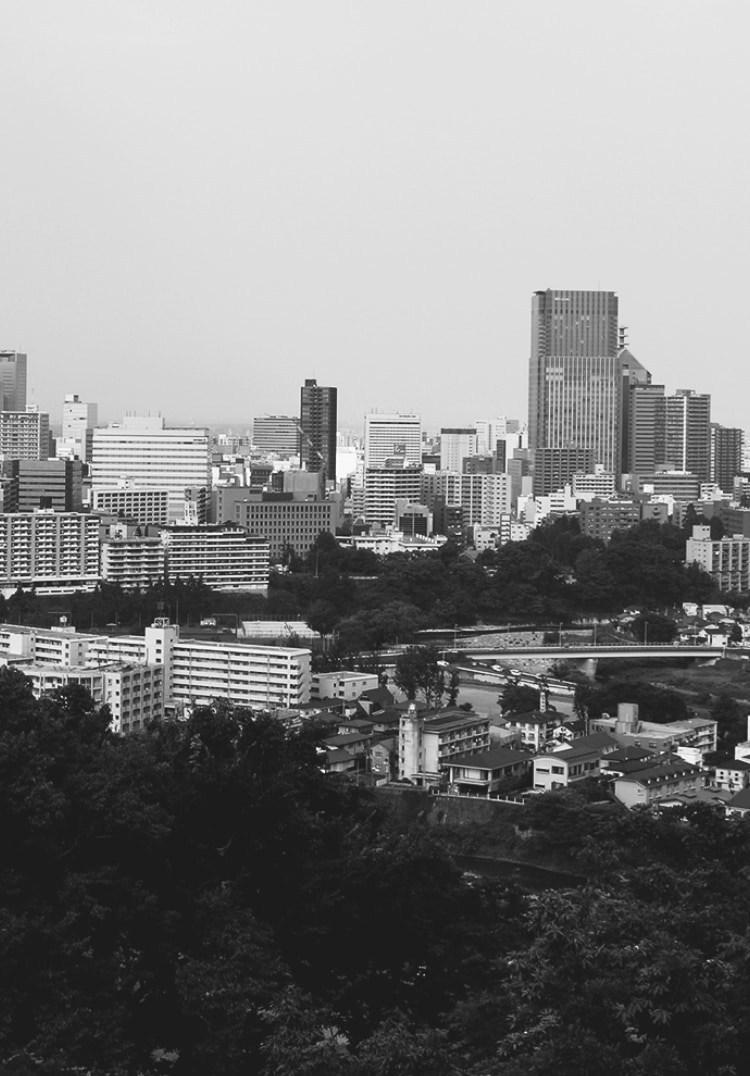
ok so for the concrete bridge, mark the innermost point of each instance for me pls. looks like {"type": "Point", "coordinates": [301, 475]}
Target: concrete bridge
{"type": "Point", "coordinates": [586, 655]}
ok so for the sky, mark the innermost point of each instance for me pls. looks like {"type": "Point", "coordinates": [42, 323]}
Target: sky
{"type": "Point", "coordinates": [203, 204]}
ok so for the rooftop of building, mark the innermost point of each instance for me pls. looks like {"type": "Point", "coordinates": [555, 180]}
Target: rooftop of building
{"type": "Point", "coordinates": [665, 771]}
{"type": "Point", "coordinates": [496, 759]}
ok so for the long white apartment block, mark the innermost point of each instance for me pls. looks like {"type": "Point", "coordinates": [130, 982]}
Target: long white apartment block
{"type": "Point", "coordinates": [152, 455]}
{"type": "Point", "coordinates": [191, 671]}
{"type": "Point", "coordinates": [223, 555]}
{"type": "Point", "coordinates": [198, 671]}
{"type": "Point", "coordinates": [133, 693]}
{"type": "Point", "coordinates": [56, 552]}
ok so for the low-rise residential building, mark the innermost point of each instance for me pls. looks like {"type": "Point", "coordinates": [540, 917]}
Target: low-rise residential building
{"type": "Point", "coordinates": [567, 765]}
{"type": "Point", "coordinates": [486, 772]}
{"type": "Point", "coordinates": [694, 738]}
{"type": "Point", "coordinates": [536, 727]}
{"type": "Point", "coordinates": [730, 775]}
{"type": "Point", "coordinates": [342, 685]}
{"type": "Point", "coordinates": [669, 781]}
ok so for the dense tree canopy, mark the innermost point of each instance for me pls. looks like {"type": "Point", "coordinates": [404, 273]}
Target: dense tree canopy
{"type": "Point", "coordinates": [201, 898]}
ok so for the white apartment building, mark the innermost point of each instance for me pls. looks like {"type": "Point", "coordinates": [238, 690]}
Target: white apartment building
{"type": "Point", "coordinates": [50, 646]}
{"type": "Point", "coordinates": [389, 436]}
{"type": "Point", "coordinates": [198, 671]}
{"type": "Point", "coordinates": [485, 498]}
{"type": "Point", "coordinates": [225, 556]}
{"type": "Point", "coordinates": [386, 485]}
{"type": "Point", "coordinates": [727, 560]}
{"type": "Point", "coordinates": [152, 455]}
{"type": "Point", "coordinates": [139, 675]}
{"type": "Point", "coordinates": [56, 552]}
{"type": "Point", "coordinates": [457, 443]}
{"type": "Point", "coordinates": [599, 483]}
{"type": "Point", "coordinates": [24, 435]}
{"type": "Point", "coordinates": [133, 693]}
{"type": "Point", "coordinates": [134, 563]}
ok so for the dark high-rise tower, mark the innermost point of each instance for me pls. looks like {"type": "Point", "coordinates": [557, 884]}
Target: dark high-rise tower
{"type": "Point", "coordinates": [317, 427]}
{"type": "Point", "coordinates": [727, 445]}
{"type": "Point", "coordinates": [575, 378]}
{"type": "Point", "coordinates": [12, 381]}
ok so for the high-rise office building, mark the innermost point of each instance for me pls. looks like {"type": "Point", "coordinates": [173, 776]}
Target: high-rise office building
{"type": "Point", "coordinates": [392, 436]}
{"type": "Point", "coordinates": [575, 375]}
{"type": "Point", "coordinates": [51, 484]}
{"type": "Point", "coordinates": [276, 435]}
{"type": "Point", "coordinates": [12, 381]}
{"type": "Point", "coordinates": [317, 428]}
{"type": "Point", "coordinates": [727, 445]}
{"type": "Point", "coordinates": [78, 424]}
{"type": "Point", "coordinates": [154, 456]}
{"type": "Point", "coordinates": [683, 433]}
{"type": "Point", "coordinates": [457, 443]}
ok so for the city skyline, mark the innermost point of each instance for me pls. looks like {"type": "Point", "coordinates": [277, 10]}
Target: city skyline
{"type": "Point", "coordinates": [261, 199]}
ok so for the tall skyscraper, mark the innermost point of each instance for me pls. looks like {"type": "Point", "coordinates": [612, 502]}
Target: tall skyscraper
{"type": "Point", "coordinates": [12, 381]}
{"type": "Point", "coordinates": [392, 436]}
{"type": "Point", "coordinates": [727, 445]}
{"type": "Point", "coordinates": [575, 375]}
{"type": "Point", "coordinates": [317, 427]}
{"type": "Point", "coordinates": [683, 433]}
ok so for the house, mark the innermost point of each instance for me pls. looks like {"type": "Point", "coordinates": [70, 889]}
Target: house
{"type": "Point", "coordinates": [484, 773]}
{"type": "Point", "coordinates": [627, 760]}
{"type": "Point", "coordinates": [382, 759]}
{"type": "Point", "coordinates": [566, 765]}
{"type": "Point", "coordinates": [739, 805]}
{"type": "Point", "coordinates": [536, 727]}
{"type": "Point", "coordinates": [337, 760]}
{"type": "Point", "coordinates": [354, 742]}
{"type": "Point", "coordinates": [669, 781]}
{"type": "Point", "coordinates": [730, 775]}
{"type": "Point", "coordinates": [341, 685]}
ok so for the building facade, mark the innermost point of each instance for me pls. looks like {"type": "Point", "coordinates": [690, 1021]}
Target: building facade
{"type": "Point", "coordinates": [56, 552]}
{"type": "Point", "coordinates": [154, 456]}
{"type": "Point", "coordinates": [575, 378]}
{"type": "Point", "coordinates": [13, 380]}
{"type": "Point", "coordinates": [276, 435]}
{"type": "Point", "coordinates": [34, 484]}
{"type": "Point", "coordinates": [390, 436]}
{"type": "Point", "coordinates": [318, 416]}
{"type": "Point", "coordinates": [24, 435]}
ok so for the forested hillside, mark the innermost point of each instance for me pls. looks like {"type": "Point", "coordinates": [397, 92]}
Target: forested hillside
{"type": "Point", "coordinates": [201, 899]}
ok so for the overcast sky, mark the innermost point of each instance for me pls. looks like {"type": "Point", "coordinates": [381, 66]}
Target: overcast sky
{"type": "Point", "coordinates": [201, 204]}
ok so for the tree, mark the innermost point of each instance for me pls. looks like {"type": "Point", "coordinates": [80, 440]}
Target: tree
{"type": "Point", "coordinates": [418, 672]}
{"type": "Point", "coordinates": [519, 699]}
{"type": "Point", "coordinates": [653, 628]}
